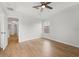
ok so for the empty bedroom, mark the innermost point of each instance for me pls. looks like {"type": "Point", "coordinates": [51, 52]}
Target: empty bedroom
{"type": "Point", "coordinates": [39, 29]}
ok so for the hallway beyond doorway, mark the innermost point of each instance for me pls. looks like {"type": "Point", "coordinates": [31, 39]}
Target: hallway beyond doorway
{"type": "Point", "coordinates": [13, 39]}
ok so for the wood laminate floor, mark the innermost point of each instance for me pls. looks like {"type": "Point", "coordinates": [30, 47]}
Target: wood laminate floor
{"type": "Point", "coordinates": [39, 48]}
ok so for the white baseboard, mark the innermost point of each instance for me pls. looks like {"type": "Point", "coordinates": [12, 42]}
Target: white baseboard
{"type": "Point", "coordinates": [63, 42]}
{"type": "Point", "coordinates": [29, 39]}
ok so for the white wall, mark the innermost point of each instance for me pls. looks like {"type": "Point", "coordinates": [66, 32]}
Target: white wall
{"type": "Point", "coordinates": [29, 31]}
{"type": "Point", "coordinates": [64, 26]}
{"type": "Point", "coordinates": [0, 23]}
{"type": "Point", "coordinates": [0, 32]}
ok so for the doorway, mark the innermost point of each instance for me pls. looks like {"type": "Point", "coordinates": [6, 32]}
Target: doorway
{"type": "Point", "coordinates": [13, 30]}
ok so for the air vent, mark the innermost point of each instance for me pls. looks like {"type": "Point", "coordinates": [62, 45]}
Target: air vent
{"type": "Point", "coordinates": [11, 9]}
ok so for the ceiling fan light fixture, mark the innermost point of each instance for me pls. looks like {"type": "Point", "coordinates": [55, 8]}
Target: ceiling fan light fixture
{"type": "Point", "coordinates": [43, 6]}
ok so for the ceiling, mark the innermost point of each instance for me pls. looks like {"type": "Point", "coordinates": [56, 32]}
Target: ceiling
{"type": "Point", "coordinates": [24, 10]}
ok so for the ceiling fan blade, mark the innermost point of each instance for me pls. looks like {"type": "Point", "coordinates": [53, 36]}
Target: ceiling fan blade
{"type": "Point", "coordinates": [37, 6]}
{"type": "Point", "coordinates": [47, 3]}
{"type": "Point", "coordinates": [49, 7]}
{"type": "Point", "coordinates": [42, 3]}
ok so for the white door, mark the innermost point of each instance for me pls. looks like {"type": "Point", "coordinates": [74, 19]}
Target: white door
{"type": "Point", "coordinates": [4, 31]}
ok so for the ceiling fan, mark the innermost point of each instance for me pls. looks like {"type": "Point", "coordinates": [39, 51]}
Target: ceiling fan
{"type": "Point", "coordinates": [43, 5]}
